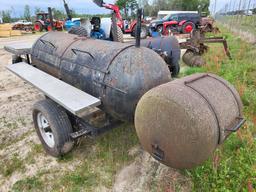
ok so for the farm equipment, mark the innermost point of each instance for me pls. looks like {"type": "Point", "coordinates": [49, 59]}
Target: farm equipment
{"type": "Point", "coordinates": [168, 48]}
{"type": "Point", "coordinates": [98, 28]}
{"type": "Point", "coordinates": [70, 22]}
{"type": "Point", "coordinates": [45, 21]}
{"type": "Point", "coordinates": [129, 28]}
{"type": "Point", "coordinates": [196, 47]}
{"type": "Point", "coordinates": [180, 123]}
{"type": "Point", "coordinates": [23, 25]}
{"type": "Point", "coordinates": [207, 25]}
{"type": "Point", "coordinates": [178, 22]}
{"type": "Point", "coordinates": [183, 23]}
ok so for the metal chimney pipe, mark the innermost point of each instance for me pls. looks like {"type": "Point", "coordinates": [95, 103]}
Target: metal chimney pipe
{"type": "Point", "coordinates": [138, 27]}
{"type": "Point", "coordinates": [67, 10]}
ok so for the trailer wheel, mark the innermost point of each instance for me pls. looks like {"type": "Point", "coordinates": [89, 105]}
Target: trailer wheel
{"type": "Point", "coordinates": [38, 26]}
{"type": "Point", "coordinates": [117, 35]}
{"type": "Point", "coordinates": [80, 31]}
{"type": "Point", "coordinates": [53, 127]}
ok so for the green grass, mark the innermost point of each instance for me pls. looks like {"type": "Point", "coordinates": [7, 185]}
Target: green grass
{"type": "Point", "coordinates": [28, 184]}
{"type": "Point", "coordinates": [233, 166]}
{"type": "Point", "coordinates": [245, 23]}
{"type": "Point", "coordinates": [13, 164]}
{"type": "Point", "coordinates": [101, 158]}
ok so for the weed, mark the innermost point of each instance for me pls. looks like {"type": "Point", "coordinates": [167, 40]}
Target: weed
{"type": "Point", "coordinates": [28, 184]}
{"type": "Point", "coordinates": [9, 166]}
{"type": "Point", "coordinates": [102, 158]}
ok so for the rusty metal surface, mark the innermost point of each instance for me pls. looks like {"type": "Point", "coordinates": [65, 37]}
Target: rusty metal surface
{"type": "Point", "coordinates": [167, 46]}
{"type": "Point", "coordinates": [196, 44]}
{"type": "Point", "coordinates": [182, 122]}
{"type": "Point", "coordinates": [118, 74]}
{"type": "Point", "coordinates": [192, 59]}
{"type": "Point", "coordinates": [207, 25]}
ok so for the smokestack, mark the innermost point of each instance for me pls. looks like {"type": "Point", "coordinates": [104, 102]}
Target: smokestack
{"type": "Point", "coordinates": [138, 27]}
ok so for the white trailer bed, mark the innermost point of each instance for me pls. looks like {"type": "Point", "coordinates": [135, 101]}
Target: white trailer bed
{"type": "Point", "coordinates": [74, 100]}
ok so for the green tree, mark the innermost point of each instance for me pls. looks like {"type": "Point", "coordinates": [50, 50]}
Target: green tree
{"type": "Point", "coordinates": [127, 5]}
{"type": "Point", "coordinates": [58, 14]}
{"type": "Point", "coordinates": [182, 5]}
{"type": "Point", "coordinates": [6, 16]}
{"type": "Point", "coordinates": [27, 14]}
{"type": "Point", "coordinates": [190, 5]}
{"type": "Point", "coordinates": [38, 10]}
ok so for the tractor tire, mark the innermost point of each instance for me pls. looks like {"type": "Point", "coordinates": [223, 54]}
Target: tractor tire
{"type": "Point", "coordinates": [144, 31]}
{"type": "Point", "coordinates": [38, 27]}
{"type": "Point", "coordinates": [188, 27]}
{"type": "Point", "coordinates": [53, 127]}
{"type": "Point", "coordinates": [117, 36]}
{"type": "Point", "coordinates": [159, 29]}
{"type": "Point", "coordinates": [80, 31]}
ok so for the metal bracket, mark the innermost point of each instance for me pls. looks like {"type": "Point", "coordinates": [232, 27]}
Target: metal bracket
{"type": "Point", "coordinates": [157, 153]}
{"type": "Point", "coordinates": [86, 129]}
{"type": "Point", "coordinates": [238, 125]}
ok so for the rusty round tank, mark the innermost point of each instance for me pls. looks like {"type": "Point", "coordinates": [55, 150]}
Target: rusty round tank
{"type": "Point", "coordinates": [116, 73]}
{"type": "Point", "coordinates": [193, 60]}
{"type": "Point", "coordinates": [182, 122]}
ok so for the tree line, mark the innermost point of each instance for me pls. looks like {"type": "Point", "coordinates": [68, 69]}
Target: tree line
{"type": "Point", "coordinates": [127, 7]}
{"type": "Point", "coordinates": [151, 8]}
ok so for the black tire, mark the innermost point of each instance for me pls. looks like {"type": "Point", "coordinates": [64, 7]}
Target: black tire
{"type": "Point", "coordinates": [59, 127]}
{"type": "Point", "coordinates": [144, 31]}
{"type": "Point", "coordinates": [159, 28]}
{"type": "Point", "coordinates": [185, 25]}
{"type": "Point", "coordinates": [175, 69]}
{"type": "Point", "coordinates": [117, 35]}
{"type": "Point", "coordinates": [80, 31]}
{"type": "Point", "coordinates": [16, 59]}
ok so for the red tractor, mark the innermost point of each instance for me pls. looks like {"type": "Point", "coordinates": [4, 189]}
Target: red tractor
{"type": "Point", "coordinates": [127, 27]}
{"type": "Point", "coordinates": [43, 22]}
{"type": "Point", "coordinates": [181, 23]}
{"type": "Point", "coordinates": [186, 22]}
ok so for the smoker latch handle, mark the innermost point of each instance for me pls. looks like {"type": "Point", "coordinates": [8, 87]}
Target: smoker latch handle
{"type": "Point", "coordinates": [237, 126]}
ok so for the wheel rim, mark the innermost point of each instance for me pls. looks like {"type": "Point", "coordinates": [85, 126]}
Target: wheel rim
{"type": "Point", "coordinates": [49, 28]}
{"type": "Point", "coordinates": [160, 29]}
{"type": "Point", "coordinates": [188, 28]}
{"type": "Point", "coordinates": [37, 27]}
{"type": "Point", "coordinates": [45, 130]}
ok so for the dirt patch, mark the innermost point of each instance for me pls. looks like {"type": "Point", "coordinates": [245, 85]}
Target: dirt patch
{"type": "Point", "coordinates": [147, 174]}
